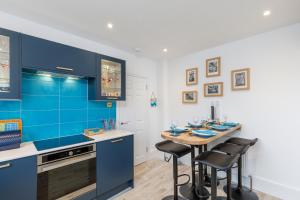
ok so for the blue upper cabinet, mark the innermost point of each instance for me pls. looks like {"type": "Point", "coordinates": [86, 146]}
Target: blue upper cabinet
{"type": "Point", "coordinates": [110, 82]}
{"type": "Point", "coordinates": [10, 70]}
{"type": "Point", "coordinates": [44, 55]}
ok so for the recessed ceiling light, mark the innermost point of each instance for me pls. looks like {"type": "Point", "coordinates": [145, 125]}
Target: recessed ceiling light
{"type": "Point", "coordinates": [267, 13]}
{"type": "Point", "coordinates": [165, 50]}
{"type": "Point", "coordinates": [110, 25]}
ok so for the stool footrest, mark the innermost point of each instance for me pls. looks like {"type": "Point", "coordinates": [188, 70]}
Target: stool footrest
{"type": "Point", "coordinates": [181, 175]}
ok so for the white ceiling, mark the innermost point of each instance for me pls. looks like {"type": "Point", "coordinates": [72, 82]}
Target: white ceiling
{"type": "Point", "coordinates": [182, 26]}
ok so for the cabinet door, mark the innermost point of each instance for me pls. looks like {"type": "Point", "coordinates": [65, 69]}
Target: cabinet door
{"type": "Point", "coordinates": [9, 65]}
{"type": "Point", "coordinates": [110, 81]}
{"type": "Point", "coordinates": [18, 179]}
{"type": "Point", "coordinates": [114, 163]}
{"type": "Point", "coordinates": [50, 56]}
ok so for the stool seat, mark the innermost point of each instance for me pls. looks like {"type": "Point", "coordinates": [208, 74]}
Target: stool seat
{"type": "Point", "coordinates": [242, 141]}
{"type": "Point", "coordinates": [217, 160]}
{"type": "Point", "coordinates": [231, 149]}
{"type": "Point", "coordinates": [177, 150]}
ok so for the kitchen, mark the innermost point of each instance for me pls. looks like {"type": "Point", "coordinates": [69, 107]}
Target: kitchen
{"type": "Point", "coordinates": [86, 110]}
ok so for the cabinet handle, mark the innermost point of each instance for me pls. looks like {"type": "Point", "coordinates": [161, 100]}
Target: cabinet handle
{"type": "Point", "coordinates": [5, 165]}
{"type": "Point", "coordinates": [65, 68]}
{"type": "Point", "coordinates": [119, 140]}
{"type": "Point", "coordinates": [112, 98]}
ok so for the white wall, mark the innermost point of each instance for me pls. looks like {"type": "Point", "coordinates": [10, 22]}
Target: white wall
{"type": "Point", "coordinates": [135, 64]}
{"type": "Point", "coordinates": [269, 111]}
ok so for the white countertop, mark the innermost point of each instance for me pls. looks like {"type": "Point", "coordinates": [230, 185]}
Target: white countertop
{"type": "Point", "coordinates": [28, 148]}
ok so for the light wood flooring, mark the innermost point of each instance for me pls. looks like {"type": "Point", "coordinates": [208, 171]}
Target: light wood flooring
{"type": "Point", "coordinates": [153, 181]}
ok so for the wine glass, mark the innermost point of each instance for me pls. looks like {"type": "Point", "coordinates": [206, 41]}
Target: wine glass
{"type": "Point", "coordinates": [196, 120]}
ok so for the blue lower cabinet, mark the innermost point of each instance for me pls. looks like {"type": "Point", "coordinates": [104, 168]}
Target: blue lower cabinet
{"type": "Point", "coordinates": [87, 196]}
{"type": "Point", "coordinates": [114, 166]}
{"type": "Point", "coordinates": [18, 179]}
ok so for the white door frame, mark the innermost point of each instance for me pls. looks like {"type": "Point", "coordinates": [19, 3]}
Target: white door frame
{"type": "Point", "coordinates": [147, 116]}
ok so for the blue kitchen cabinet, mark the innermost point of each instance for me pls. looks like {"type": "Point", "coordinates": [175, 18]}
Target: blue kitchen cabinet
{"type": "Point", "coordinates": [10, 71]}
{"type": "Point", "coordinates": [44, 55]}
{"type": "Point", "coordinates": [114, 166]}
{"type": "Point", "coordinates": [18, 179]}
{"type": "Point", "coordinates": [110, 80]}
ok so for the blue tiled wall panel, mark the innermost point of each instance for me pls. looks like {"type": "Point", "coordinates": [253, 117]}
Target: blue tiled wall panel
{"type": "Point", "coordinates": [55, 107]}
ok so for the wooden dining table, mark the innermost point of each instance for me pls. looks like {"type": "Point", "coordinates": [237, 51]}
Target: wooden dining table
{"type": "Point", "coordinates": [187, 138]}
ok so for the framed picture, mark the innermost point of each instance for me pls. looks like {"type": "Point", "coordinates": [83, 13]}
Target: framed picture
{"type": "Point", "coordinates": [192, 76]}
{"type": "Point", "coordinates": [240, 79]}
{"type": "Point", "coordinates": [213, 67]}
{"type": "Point", "coordinates": [213, 89]}
{"type": "Point", "coordinates": [189, 96]}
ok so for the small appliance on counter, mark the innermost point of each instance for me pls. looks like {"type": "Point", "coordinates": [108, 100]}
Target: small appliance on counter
{"type": "Point", "coordinates": [10, 134]}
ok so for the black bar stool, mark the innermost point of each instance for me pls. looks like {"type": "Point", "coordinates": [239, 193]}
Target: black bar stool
{"type": "Point", "coordinates": [195, 190]}
{"type": "Point", "coordinates": [232, 146]}
{"type": "Point", "coordinates": [217, 161]}
{"type": "Point", "coordinates": [177, 151]}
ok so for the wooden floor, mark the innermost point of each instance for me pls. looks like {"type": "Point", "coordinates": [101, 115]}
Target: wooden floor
{"type": "Point", "coordinates": [153, 181]}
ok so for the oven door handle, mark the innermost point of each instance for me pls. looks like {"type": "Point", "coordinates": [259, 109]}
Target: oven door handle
{"type": "Point", "coordinates": [62, 163]}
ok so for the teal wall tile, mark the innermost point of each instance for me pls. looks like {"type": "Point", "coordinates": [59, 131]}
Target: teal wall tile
{"type": "Point", "coordinates": [68, 129]}
{"type": "Point", "coordinates": [9, 115]}
{"type": "Point", "coordinates": [73, 87]}
{"type": "Point", "coordinates": [34, 133]}
{"type": "Point", "coordinates": [33, 118]}
{"type": "Point", "coordinates": [30, 102]}
{"type": "Point", "coordinates": [73, 116]}
{"type": "Point", "coordinates": [73, 103]}
{"type": "Point", "coordinates": [10, 105]}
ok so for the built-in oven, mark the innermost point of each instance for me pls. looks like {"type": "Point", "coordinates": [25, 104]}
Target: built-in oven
{"type": "Point", "coordinates": [67, 174]}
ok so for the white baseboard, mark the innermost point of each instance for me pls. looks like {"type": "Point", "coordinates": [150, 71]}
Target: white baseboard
{"type": "Point", "coordinates": [276, 189]}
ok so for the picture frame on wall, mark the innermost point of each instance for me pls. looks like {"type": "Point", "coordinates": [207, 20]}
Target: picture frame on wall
{"type": "Point", "coordinates": [189, 97]}
{"type": "Point", "coordinates": [240, 79]}
{"type": "Point", "coordinates": [213, 89]}
{"type": "Point", "coordinates": [191, 76]}
{"type": "Point", "coordinates": [213, 67]}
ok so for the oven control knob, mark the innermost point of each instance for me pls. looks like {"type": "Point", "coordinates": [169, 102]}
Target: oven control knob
{"type": "Point", "coordinates": [70, 153]}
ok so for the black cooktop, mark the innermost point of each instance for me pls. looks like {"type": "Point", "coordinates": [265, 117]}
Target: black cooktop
{"type": "Point", "coordinates": [60, 142]}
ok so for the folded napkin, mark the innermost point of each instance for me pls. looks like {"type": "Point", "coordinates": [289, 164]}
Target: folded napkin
{"type": "Point", "coordinates": [220, 127]}
{"type": "Point", "coordinates": [232, 124]}
{"type": "Point", "coordinates": [193, 125]}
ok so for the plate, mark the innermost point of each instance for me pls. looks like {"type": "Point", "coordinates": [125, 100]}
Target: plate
{"type": "Point", "coordinates": [204, 133]}
{"type": "Point", "coordinates": [220, 127]}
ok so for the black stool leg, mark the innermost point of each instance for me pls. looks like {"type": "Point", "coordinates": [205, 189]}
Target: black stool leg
{"type": "Point", "coordinates": [229, 184]}
{"type": "Point", "coordinates": [175, 177]}
{"type": "Point", "coordinates": [238, 191]}
{"type": "Point", "coordinates": [201, 191]}
{"type": "Point", "coordinates": [175, 182]}
{"type": "Point", "coordinates": [240, 185]}
{"type": "Point", "coordinates": [207, 178]}
{"type": "Point", "coordinates": [213, 183]}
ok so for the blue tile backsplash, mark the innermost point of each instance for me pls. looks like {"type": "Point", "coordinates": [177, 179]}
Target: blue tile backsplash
{"type": "Point", "coordinates": [55, 107]}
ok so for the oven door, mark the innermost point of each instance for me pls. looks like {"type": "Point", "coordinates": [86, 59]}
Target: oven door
{"type": "Point", "coordinates": [67, 179]}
